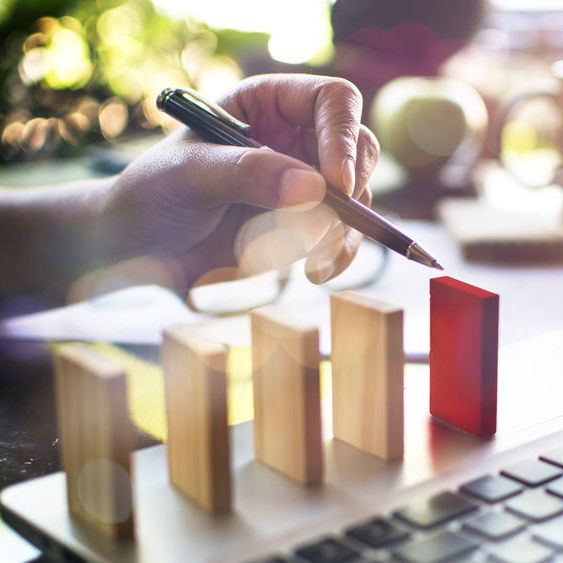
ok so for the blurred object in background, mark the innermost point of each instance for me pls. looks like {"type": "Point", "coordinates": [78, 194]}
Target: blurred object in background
{"type": "Point", "coordinates": [510, 55]}
{"type": "Point", "coordinates": [514, 49]}
{"type": "Point", "coordinates": [427, 122]}
{"type": "Point", "coordinates": [378, 40]}
{"type": "Point", "coordinates": [524, 26]}
{"type": "Point", "coordinates": [394, 52]}
{"type": "Point", "coordinates": [530, 134]}
{"type": "Point", "coordinates": [508, 224]}
{"type": "Point", "coordinates": [74, 72]}
{"type": "Point", "coordinates": [514, 62]}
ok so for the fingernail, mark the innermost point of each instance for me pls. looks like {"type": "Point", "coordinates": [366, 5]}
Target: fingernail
{"type": "Point", "coordinates": [349, 174]}
{"type": "Point", "coordinates": [301, 186]}
{"type": "Point", "coordinates": [323, 271]}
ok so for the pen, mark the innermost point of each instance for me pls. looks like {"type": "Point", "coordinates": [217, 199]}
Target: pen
{"type": "Point", "coordinates": [216, 125]}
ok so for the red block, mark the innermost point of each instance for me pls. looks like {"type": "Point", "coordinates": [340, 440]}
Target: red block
{"type": "Point", "coordinates": [463, 355]}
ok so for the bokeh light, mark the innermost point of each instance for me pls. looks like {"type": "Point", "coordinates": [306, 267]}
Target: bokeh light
{"type": "Point", "coordinates": [68, 62]}
{"type": "Point", "coordinates": [113, 118]}
{"type": "Point", "coordinates": [275, 239]}
{"type": "Point", "coordinates": [100, 473]}
{"type": "Point", "coordinates": [532, 141]}
{"type": "Point", "coordinates": [96, 72]}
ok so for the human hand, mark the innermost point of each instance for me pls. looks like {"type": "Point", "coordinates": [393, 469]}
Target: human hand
{"type": "Point", "coordinates": [203, 205]}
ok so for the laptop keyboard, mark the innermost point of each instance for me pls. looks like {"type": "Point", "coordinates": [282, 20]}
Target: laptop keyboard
{"type": "Point", "coordinates": [515, 516]}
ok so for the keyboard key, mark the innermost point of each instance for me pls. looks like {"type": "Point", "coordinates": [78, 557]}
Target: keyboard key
{"type": "Point", "coordinates": [556, 488]}
{"type": "Point", "coordinates": [554, 456]}
{"type": "Point", "coordinates": [519, 550]}
{"type": "Point", "coordinates": [437, 548]}
{"type": "Point", "coordinates": [495, 525]}
{"type": "Point", "coordinates": [435, 510]}
{"type": "Point", "coordinates": [492, 488]}
{"type": "Point", "coordinates": [377, 533]}
{"type": "Point", "coordinates": [550, 533]}
{"type": "Point", "coordinates": [328, 550]}
{"type": "Point", "coordinates": [532, 472]}
{"type": "Point", "coordinates": [536, 505]}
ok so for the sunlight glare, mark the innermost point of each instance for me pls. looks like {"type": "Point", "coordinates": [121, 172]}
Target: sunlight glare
{"type": "Point", "coordinates": [299, 31]}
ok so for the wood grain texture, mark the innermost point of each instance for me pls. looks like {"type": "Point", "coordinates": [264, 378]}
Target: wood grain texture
{"type": "Point", "coordinates": [287, 414]}
{"type": "Point", "coordinates": [463, 355]}
{"type": "Point", "coordinates": [367, 374]}
{"type": "Point", "coordinates": [96, 439]}
{"type": "Point", "coordinates": [196, 412]}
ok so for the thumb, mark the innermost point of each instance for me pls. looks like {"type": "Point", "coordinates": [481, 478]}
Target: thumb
{"type": "Point", "coordinates": [261, 177]}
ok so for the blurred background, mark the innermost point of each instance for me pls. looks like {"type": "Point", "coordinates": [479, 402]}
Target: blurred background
{"type": "Point", "coordinates": [74, 73]}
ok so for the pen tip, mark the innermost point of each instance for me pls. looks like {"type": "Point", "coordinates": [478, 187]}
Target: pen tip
{"type": "Point", "coordinates": [416, 253]}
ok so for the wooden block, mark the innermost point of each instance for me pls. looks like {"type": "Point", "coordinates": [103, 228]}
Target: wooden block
{"type": "Point", "coordinates": [96, 438]}
{"type": "Point", "coordinates": [367, 374]}
{"type": "Point", "coordinates": [196, 412]}
{"type": "Point", "coordinates": [287, 410]}
{"type": "Point", "coordinates": [463, 355]}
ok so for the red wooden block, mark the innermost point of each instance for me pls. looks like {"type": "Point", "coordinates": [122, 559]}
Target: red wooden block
{"type": "Point", "coordinates": [463, 355]}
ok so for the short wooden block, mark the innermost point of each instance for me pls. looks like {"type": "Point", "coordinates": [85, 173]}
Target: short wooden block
{"type": "Point", "coordinates": [196, 412]}
{"type": "Point", "coordinates": [463, 355]}
{"type": "Point", "coordinates": [96, 439]}
{"type": "Point", "coordinates": [367, 374]}
{"type": "Point", "coordinates": [287, 410]}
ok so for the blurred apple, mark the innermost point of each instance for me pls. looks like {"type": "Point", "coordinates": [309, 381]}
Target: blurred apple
{"type": "Point", "coordinates": [423, 121]}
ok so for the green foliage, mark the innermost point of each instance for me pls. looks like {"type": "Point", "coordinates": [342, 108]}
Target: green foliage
{"type": "Point", "coordinates": [74, 72]}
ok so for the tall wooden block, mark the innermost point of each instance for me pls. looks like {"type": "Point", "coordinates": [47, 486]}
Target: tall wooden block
{"type": "Point", "coordinates": [463, 355]}
{"type": "Point", "coordinates": [96, 439]}
{"type": "Point", "coordinates": [367, 374]}
{"type": "Point", "coordinates": [287, 410]}
{"type": "Point", "coordinates": [196, 412]}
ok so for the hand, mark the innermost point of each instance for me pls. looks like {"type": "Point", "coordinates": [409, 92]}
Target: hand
{"type": "Point", "coordinates": [192, 201]}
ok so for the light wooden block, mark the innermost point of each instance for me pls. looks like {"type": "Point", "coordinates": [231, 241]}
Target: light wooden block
{"type": "Point", "coordinates": [196, 412]}
{"type": "Point", "coordinates": [287, 411]}
{"type": "Point", "coordinates": [96, 438]}
{"type": "Point", "coordinates": [367, 374]}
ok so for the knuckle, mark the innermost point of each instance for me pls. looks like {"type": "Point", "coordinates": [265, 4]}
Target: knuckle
{"type": "Point", "coordinates": [340, 105]}
{"type": "Point", "coordinates": [366, 197]}
{"type": "Point", "coordinates": [255, 182]}
{"type": "Point", "coordinates": [344, 88]}
{"type": "Point", "coordinates": [246, 171]}
{"type": "Point", "coordinates": [369, 140]}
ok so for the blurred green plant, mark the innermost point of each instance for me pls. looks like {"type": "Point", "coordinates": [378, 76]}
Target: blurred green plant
{"type": "Point", "coordinates": [73, 72]}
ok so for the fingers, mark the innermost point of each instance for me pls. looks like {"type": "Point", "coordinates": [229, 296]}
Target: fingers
{"type": "Point", "coordinates": [368, 154]}
{"type": "Point", "coordinates": [338, 110]}
{"type": "Point", "coordinates": [275, 239]}
{"type": "Point", "coordinates": [211, 174]}
{"type": "Point", "coordinates": [334, 253]}
{"type": "Point", "coordinates": [330, 106]}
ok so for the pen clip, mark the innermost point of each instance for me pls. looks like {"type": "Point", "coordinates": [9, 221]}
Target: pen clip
{"type": "Point", "coordinates": [194, 97]}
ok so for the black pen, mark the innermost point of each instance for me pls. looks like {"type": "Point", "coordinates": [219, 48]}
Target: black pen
{"type": "Point", "coordinates": [216, 125]}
